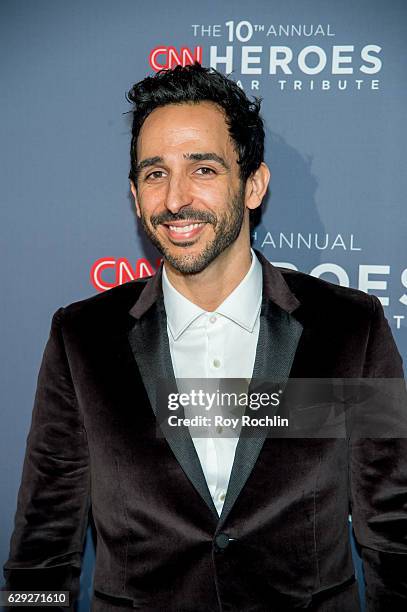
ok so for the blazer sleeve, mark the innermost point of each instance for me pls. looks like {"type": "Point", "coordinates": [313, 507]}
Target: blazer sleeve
{"type": "Point", "coordinates": [53, 500]}
{"type": "Point", "coordinates": [378, 477]}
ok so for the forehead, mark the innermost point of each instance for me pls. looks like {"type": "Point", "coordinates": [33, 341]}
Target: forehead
{"type": "Point", "coordinates": [178, 127]}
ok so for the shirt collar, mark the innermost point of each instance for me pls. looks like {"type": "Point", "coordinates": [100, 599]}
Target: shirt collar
{"type": "Point", "coordinates": [241, 306]}
{"type": "Point", "coordinates": [180, 311]}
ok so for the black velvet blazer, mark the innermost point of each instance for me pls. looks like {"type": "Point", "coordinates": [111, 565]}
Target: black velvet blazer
{"type": "Point", "coordinates": [281, 542]}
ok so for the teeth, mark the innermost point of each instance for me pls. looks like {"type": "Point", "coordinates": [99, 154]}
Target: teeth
{"type": "Point", "coordinates": [185, 229]}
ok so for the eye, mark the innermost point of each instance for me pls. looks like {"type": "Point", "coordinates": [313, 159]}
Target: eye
{"type": "Point", "coordinates": [157, 174]}
{"type": "Point", "coordinates": [205, 171]}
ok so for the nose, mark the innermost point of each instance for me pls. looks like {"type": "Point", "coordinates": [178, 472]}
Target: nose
{"type": "Point", "coordinates": [178, 194]}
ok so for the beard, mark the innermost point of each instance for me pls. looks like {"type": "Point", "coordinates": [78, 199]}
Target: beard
{"type": "Point", "coordinates": [226, 229]}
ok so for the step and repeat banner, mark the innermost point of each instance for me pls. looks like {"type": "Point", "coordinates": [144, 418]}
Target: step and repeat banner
{"type": "Point", "coordinates": [332, 79]}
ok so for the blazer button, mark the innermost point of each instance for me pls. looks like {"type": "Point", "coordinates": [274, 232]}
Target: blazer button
{"type": "Point", "coordinates": [221, 541]}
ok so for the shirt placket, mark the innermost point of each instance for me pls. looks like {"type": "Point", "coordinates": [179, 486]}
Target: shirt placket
{"type": "Point", "coordinates": [216, 335]}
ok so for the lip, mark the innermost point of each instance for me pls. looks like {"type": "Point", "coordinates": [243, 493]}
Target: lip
{"type": "Point", "coordinates": [180, 231]}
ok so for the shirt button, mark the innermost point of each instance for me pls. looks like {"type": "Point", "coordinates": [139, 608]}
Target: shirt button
{"type": "Point", "coordinates": [212, 319]}
{"type": "Point", "coordinates": [222, 496]}
{"type": "Point", "coordinates": [216, 363]}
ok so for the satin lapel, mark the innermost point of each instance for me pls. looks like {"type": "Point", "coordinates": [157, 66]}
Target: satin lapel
{"type": "Point", "coordinates": [149, 343]}
{"type": "Point", "coordinates": [279, 335]}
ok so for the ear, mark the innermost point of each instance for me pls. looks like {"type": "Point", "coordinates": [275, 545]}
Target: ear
{"type": "Point", "coordinates": [256, 186]}
{"type": "Point", "coordinates": [134, 192]}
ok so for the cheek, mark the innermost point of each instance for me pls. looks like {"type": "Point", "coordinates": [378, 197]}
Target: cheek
{"type": "Point", "coordinates": [210, 194]}
{"type": "Point", "coordinates": [150, 202]}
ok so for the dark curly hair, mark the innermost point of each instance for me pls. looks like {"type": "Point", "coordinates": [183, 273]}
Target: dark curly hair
{"type": "Point", "coordinates": [193, 84]}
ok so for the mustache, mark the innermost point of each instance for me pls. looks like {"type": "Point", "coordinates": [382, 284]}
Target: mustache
{"type": "Point", "coordinates": [184, 215]}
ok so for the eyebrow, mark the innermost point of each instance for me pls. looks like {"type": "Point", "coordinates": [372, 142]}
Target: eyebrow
{"type": "Point", "coordinates": [207, 157]}
{"type": "Point", "coordinates": [149, 161]}
{"type": "Point", "coordinates": [152, 161]}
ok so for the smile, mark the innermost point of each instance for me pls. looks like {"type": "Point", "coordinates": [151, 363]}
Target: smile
{"type": "Point", "coordinates": [181, 232]}
{"type": "Point", "coordinates": [185, 229]}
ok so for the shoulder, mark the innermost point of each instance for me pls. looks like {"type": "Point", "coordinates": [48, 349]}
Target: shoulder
{"type": "Point", "coordinates": [321, 298]}
{"type": "Point", "coordinates": [107, 307]}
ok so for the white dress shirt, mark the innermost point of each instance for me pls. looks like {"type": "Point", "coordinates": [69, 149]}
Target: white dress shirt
{"type": "Point", "coordinates": [219, 344]}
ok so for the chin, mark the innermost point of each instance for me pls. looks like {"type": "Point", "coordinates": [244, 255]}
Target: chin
{"type": "Point", "coordinates": [191, 262]}
{"type": "Point", "coordinates": [186, 264]}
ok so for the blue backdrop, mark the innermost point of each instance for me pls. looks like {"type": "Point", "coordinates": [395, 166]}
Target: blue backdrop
{"type": "Point", "coordinates": [332, 76]}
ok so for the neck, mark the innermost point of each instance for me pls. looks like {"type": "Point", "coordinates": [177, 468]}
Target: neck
{"type": "Point", "coordinates": [209, 288]}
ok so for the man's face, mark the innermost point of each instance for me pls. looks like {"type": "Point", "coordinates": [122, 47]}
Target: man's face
{"type": "Point", "coordinates": [189, 195]}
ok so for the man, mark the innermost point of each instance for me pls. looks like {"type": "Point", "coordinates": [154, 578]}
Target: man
{"type": "Point", "coordinates": [182, 524]}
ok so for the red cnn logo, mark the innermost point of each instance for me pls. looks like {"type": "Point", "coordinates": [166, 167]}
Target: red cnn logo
{"type": "Point", "coordinates": [169, 57]}
{"type": "Point", "coordinates": [122, 271]}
